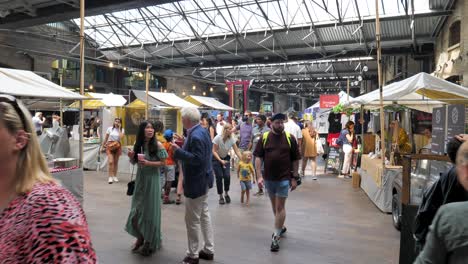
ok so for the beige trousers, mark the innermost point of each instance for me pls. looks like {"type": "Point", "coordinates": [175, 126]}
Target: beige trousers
{"type": "Point", "coordinates": [197, 217]}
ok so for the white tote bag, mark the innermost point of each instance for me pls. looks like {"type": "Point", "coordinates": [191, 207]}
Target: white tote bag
{"type": "Point", "coordinates": [319, 146]}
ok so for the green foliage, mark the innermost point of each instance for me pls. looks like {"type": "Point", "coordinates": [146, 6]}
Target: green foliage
{"type": "Point", "coordinates": [339, 108]}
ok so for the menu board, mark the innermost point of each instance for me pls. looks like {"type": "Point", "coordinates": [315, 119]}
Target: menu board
{"type": "Point", "coordinates": [333, 160]}
{"type": "Point", "coordinates": [456, 120]}
{"type": "Point", "coordinates": [439, 119]}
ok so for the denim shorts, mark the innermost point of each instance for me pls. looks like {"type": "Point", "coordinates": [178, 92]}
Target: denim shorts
{"type": "Point", "coordinates": [246, 185]}
{"type": "Point", "coordinates": [277, 188]}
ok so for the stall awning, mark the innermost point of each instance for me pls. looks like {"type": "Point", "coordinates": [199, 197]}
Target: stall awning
{"type": "Point", "coordinates": [208, 102]}
{"type": "Point", "coordinates": [28, 84]}
{"type": "Point", "coordinates": [140, 101]}
{"type": "Point", "coordinates": [101, 100]}
{"type": "Point", "coordinates": [421, 91]}
{"type": "Point", "coordinates": [171, 99]}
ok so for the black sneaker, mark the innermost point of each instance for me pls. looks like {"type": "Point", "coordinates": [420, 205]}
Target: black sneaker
{"type": "Point", "coordinates": [275, 244]}
{"type": "Point", "coordinates": [221, 200]}
{"type": "Point", "coordinates": [283, 231]}
{"type": "Point", "coordinates": [228, 199]}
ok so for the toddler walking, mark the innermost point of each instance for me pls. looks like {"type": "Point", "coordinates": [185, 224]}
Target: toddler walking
{"type": "Point", "coordinates": [169, 168]}
{"type": "Point", "coordinates": [245, 171]}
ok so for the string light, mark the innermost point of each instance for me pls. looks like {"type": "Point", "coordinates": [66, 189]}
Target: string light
{"type": "Point", "coordinates": [211, 89]}
{"type": "Point", "coordinates": [91, 87]}
{"type": "Point", "coordinates": [194, 87]}
{"type": "Point", "coordinates": [183, 93]}
{"type": "Point", "coordinates": [204, 93]}
{"type": "Point", "coordinates": [226, 88]}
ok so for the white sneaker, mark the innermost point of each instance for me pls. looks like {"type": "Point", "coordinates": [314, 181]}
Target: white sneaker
{"type": "Point", "coordinates": [110, 181]}
{"type": "Point", "coordinates": [341, 176]}
{"type": "Point", "coordinates": [115, 179]}
{"type": "Point", "coordinates": [314, 178]}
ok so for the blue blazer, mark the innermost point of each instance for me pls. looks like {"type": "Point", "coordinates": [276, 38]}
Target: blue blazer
{"type": "Point", "coordinates": [196, 157]}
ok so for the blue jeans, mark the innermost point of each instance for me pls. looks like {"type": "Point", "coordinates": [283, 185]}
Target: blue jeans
{"type": "Point", "coordinates": [246, 185]}
{"type": "Point", "coordinates": [222, 174]}
{"type": "Point", "coordinates": [277, 188]}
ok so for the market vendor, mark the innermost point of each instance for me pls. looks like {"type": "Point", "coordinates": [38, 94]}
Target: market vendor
{"type": "Point", "coordinates": [402, 139]}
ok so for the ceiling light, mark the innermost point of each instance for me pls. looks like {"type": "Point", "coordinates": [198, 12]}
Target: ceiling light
{"type": "Point", "coordinates": [194, 87]}
{"type": "Point", "coordinates": [111, 64]}
{"type": "Point", "coordinates": [204, 93]}
{"type": "Point", "coordinates": [183, 93]}
{"type": "Point", "coordinates": [211, 89]}
{"type": "Point", "coordinates": [226, 88]}
{"type": "Point", "coordinates": [140, 74]}
{"type": "Point", "coordinates": [165, 90]}
{"type": "Point", "coordinates": [125, 68]}
{"type": "Point", "coordinates": [365, 68]}
{"type": "Point", "coordinates": [91, 87]}
{"type": "Point", "coordinates": [359, 78]}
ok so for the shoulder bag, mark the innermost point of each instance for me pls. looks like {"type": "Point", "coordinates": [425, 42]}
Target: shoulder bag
{"type": "Point", "coordinates": [319, 146]}
{"type": "Point", "coordinates": [131, 184]}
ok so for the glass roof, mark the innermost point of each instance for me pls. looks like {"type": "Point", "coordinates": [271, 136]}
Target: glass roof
{"type": "Point", "coordinates": [191, 19]}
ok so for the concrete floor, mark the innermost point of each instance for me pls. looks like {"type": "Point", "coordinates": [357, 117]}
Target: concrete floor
{"type": "Point", "coordinates": [328, 222]}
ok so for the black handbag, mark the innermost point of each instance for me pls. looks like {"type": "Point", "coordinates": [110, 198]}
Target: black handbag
{"type": "Point", "coordinates": [131, 184]}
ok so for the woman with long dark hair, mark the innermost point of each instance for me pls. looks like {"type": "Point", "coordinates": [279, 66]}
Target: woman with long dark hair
{"type": "Point", "coordinates": [207, 123]}
{"type": "Point", "coordinates": [144, 220]}
{"type": "Point", "coordinates": [348, 136]}
{"type": "Point", "coordinates": [112, 146]}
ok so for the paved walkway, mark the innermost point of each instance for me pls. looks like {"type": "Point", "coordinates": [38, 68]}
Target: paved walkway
{"type": "Point", "coordinates": [328, 222]}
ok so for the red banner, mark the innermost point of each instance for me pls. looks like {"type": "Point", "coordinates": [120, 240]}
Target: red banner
{"type": "Point", "coordinates": [329, 100]}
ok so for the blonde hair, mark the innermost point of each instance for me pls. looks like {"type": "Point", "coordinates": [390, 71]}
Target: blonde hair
{"type": "Point", "coordinates": [31, 166]}
{"type": "Point", "coordinates": [226, 127]}
{"type": "Point", "coordinates": [245, 155]}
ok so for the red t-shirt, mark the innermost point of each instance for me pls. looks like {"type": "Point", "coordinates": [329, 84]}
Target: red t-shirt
{"type": "Point", "coordinates": [278, 156]}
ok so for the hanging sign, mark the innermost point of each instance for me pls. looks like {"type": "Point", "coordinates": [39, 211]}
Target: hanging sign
{"type": "Point", "coordinates": [439, 119]}
{"type": "Point", "coordinates": [455, 120]}
{"type": "Point", "coordinates": [329, 100]}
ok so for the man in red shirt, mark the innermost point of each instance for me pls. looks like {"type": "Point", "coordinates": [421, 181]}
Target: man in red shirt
{"type": "Point", "coordinates": [280, 153]}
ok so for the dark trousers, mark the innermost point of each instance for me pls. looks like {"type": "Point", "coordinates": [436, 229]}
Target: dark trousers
{"type": "Point", "coordinates": [222, 173]}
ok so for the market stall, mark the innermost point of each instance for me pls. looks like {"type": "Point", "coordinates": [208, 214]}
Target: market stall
{"type": "Point", "coordinates": [422, 92]}
{"type": "Point", "coordinates": [31, 89]}
{"type": "Point", "coordinates": [104, 108]}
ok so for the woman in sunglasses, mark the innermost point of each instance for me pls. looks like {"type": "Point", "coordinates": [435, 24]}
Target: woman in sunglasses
{"type": "Point", "coordinates": [40, 222]}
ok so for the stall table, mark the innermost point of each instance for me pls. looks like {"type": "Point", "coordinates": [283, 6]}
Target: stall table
{"type": "Point", "coordinates": [70, 178]}
{"type": "Point", "coordinates": [377, 181]}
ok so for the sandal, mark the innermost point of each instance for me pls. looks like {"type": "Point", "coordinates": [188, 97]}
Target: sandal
{"type": "Point", "coordinates": [137, 245]}
{"type": "Point", "coordinates": [146, 250]}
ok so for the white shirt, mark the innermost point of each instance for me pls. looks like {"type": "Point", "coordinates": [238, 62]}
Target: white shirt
{"type": "Point", "coordinates": [345, 119]}
{"type": "Point", "coordinates": [219, 127]}
{"type": "Point", "coordinates": [223, 147]}
{"type": "Point", "coordinates": [321, 123]}
{"type": "Point", "coordinates": [292, 128]}
{"type": "Point", "coordinates": [37, 122]}
{"type": "Point", "coordinates": [114, 134]}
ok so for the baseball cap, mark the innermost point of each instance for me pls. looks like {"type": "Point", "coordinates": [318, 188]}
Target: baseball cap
{"type": "Point", "coordinates": [278, 116]}
{"type": "Point", "coordinates": [168, 133]}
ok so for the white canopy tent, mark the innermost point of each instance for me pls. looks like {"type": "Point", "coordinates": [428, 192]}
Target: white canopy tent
{"type": "Point", "coordinates": [171, 99]}
{"type": "Point", "coordinates": [422, 92]}
{"type": "Point", "coordinates": [110, 99]}
{"type": "Point", "coordinates": [27, 84]}
{"type": "Point", "coordinates": [208, 102]}
{"type": "Point", "coordinates": [343, 99]}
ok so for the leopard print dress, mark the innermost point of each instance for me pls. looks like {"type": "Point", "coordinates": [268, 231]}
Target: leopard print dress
{"type": "Point", "coordinates": [46, 225]}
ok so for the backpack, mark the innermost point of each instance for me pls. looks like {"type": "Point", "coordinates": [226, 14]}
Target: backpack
{"type": "Point", "coordinates": [265, 137]}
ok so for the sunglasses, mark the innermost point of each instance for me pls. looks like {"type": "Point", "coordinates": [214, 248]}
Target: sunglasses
{"type": "Point", "coordinates": [5, 98]}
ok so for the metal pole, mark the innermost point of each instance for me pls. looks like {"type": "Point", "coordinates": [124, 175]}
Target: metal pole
{"type": "Point", "coordinates": [147, 91]}
{"type": "Point", "coordinates": [61, 103]}
{"type": "Point", "coordinates": [347, 91]}
{"type": "Point", "coordinates": [379, 72]}
{"type": "Point", "coordinates": [82, 71]}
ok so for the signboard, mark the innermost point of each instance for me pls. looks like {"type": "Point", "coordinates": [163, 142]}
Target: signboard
{"type": "Point", "coordinates": [333, 160]}
{"type": "Point", "coordinates": [439, 121]}
{"type": "Point", "coordinates": [329, 100]}
{"type": "Point", "coordinates": [455, 120]}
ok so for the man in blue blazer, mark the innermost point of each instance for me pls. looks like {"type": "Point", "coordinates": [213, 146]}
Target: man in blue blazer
{"type": "Point", "coordinates": [196, 158]}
